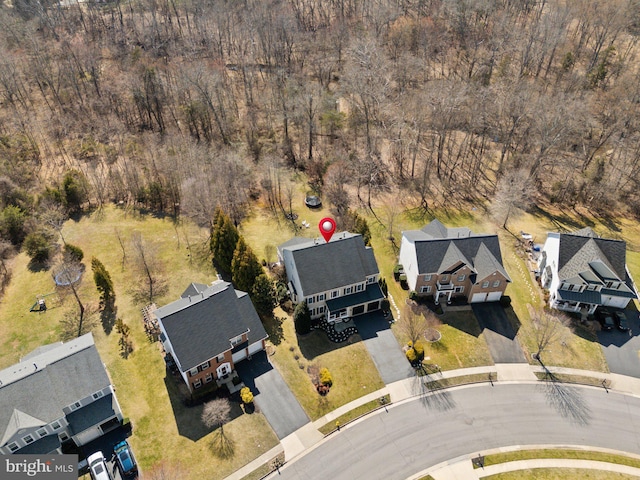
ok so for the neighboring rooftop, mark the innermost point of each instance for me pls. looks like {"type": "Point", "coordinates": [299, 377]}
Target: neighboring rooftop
{"type": "Point", "coordinates": [201, 323]}
{"type": "Point", "coordinates": [579, 249]}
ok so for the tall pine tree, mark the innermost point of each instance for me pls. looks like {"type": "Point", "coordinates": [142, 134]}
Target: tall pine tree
{"type": "Point", "coordinates": [245, 267]}
{"type": "Point", "coordinates": [224, 238]}
{"type": "Point", "coordinates": [263, 295]}
{"type": "Point", "coordinates": [104, 284]}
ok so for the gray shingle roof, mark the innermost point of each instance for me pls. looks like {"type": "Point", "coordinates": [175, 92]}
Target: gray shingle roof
{"type": "Point", "coordinates": [42, 385]}
{"type": "Point", "coordinates": [436, 255]}
{"type": "Point", "coordinates": [200, 326]}
{"type": "Point", "coordinates": [92, 414]}
{"type": "Point", "coordinates": [322, 266]}
{"type": "Point", "coordinates": [577, 251]}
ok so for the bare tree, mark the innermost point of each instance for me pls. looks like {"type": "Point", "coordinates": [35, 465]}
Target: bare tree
{"type": "Point", "coordinates": [513, 193]}
{"type": "Point", "coordinates": [68, 276]}
{"type": "Point", "coordinates": [216, 413]}
{"type": "Point", "coordinates": [415, 323]}
{"type": "Point", "coordinates": [166, 471]}
{"type": "Point", "coordinates": [550, 327]}
{"type": "Point", "coordinates": [149, 266]}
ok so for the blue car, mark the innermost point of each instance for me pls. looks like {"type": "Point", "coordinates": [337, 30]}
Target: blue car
{"type": "Point", "coordinates": [125, 460]}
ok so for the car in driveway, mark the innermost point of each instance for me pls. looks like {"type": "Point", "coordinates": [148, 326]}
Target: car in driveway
{"type": "Point", "coordinates": [620, 318]}
{"type": "Point", "coordinates": [125, 460]}
{"type": "Point", "coordinates": [98, 467]}
{"type": "Point", "coordinates": [605, 317]}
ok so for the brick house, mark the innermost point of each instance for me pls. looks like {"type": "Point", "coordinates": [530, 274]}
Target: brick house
{"type": "Point", "coordinates": [338, 279]}
{"type": "Point", "coordinates": [453, 262]}
{"type": "Point", "coordinates": [208, 330]}
{"type": "Point", "coordinates": [583, 271]}
{"type": "Point", "coordinates": [58, 394]}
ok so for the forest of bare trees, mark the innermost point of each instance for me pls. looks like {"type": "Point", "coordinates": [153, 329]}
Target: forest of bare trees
{"type": "Point", "coordinates": [182, 106]}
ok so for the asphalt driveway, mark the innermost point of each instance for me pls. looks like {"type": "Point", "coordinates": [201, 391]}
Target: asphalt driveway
{"type": "Point", "coordinates": [621, 348]}
{"type": "Point", "coordinates": [498, 332]}
{"type": "Point", "coordinates": [272, 395]}
{"type": "Point", "coordinates": [383, 347]}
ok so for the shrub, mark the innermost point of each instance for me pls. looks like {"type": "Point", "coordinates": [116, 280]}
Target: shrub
{"type": "Point", "coordinates": [385, 304]}
{"type": "Point", "coordinates": [505, 301]}
{"type": "Point", "coordinates": [383, 286]}
{"type": "Point", "coordinates": [73, 253]}
{"type": "Point", "coordinates": [325, 377]}
{"type": "Point", "coordinates": [397, 270]}
{"type": "Point", "coordinates": [411, 355]}
{"type": "Point", "coordinates": [418, 347]}
{"type": "Point", "coordinates": [37, 247]}
{"type": "Point", "coordinates": [302, 318]}
{"type": "Point", "coordinates": [413, 295]}
{"type": "Point", "coordinates": [246, 395]}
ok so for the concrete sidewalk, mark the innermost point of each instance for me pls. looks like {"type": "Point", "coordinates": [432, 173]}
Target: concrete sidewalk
{"type": "Point", "coordinates": [308, 436]}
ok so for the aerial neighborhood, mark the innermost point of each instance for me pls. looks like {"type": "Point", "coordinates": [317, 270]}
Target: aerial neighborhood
{"type": "Point", "coordinates": [312, 239]}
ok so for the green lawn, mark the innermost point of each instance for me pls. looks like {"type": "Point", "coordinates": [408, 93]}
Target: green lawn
{"type": "Point", "coordinates": [163, 428]}
{"type": "Point", "coordinates": [564, 453]}
{"type": "Point", "coordinates": [354, 373]}
{"type": "Point", "coordinates": [560, 474]}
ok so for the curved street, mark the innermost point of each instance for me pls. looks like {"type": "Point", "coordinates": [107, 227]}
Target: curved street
{"type": "Point", "coordinates": [425, 431]}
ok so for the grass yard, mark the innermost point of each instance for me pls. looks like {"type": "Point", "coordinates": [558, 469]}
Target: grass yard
{"type": "Point", "coordinates": [560, 474]}
{"type": "Point", "coordinates": [497, 458]}
{"type": "Point", "coordinates": [354, 373]}
{"type": "Point", "coordinates": [163, 428]}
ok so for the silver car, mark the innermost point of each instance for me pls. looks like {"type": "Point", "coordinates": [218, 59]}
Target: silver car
{"type": "Point", "coordinates": [97, 467]}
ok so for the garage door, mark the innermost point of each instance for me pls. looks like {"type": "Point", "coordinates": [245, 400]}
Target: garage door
{"type": "Point", "coordinates": [255, 347]}
{"type": "Point", "coordinates": [478, 297]}
{"type": "Point", "coordinates": [240, 355]}
{"type": "Point", "coordinates": [494, 296]}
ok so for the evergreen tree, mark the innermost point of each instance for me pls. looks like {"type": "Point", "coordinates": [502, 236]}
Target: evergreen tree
{"type": "Point", "coordinates": [302, 318]}
{"type": "Point", "coordinates": [224, 238]}
{"type": "Point", "coordinates": [245, 267]}
{"type": "Point", "coordinates": [103, 281]}
{"type": "Point", "coordinates": [263, 295]}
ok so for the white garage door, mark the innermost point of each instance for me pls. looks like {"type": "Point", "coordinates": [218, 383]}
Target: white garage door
{"type": "Point", "coordinates": [494, 297]}
{"type": "Point", "coordinates": [241, 355]}
{"type": "Point", "coordinates": [256, 347]}
{"type": "Point", "coordinates": [478, 297]}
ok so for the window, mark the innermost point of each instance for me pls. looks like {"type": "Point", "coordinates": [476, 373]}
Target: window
{"type": "Point", "coordinates": [461, 278]}
{"type": "Point", "coordinates": [208, 378]}
{"type": "Point", "coordinates": [320, 310]}
{"type": "Point", "coordinates": [193, 371]}
{"type": "Point", "coordinates": [205, 365]}
{"type": "Point", "coordinates": [235, 341]}
{"type": "Point", "coordinates": [13, 447]}
{"type": "Point", "coordinates": [348, 290]}
{"type": "Point", "coordinates": [28, 439]}
{"type": "Point", "coordinates": [458, 289]}
{"type": "Point", "coordinates": [496, 283]}
{"type": "Point", "coordinates": [311, 299]}
{"type": "Point", "coordinates": [220, 358]}
{"type": "Point", "coordinates": [335, 293]}
{"type": "Point", "coordinates": [371, 280]}
{"type": "Point", "coordinates": [42, 432]}
{"type": "Point", "coordinates": [312, 311]}
{"type": "Point", "coordinates": [97, 395]}
{"type": "Point", "coordinates": [444, 279]}
{"type": "Point", "coordinates": [485, 284]}
{"type": "Point", "coordinates": [55, 425]}
{"type": "Point", "coordinates": [321, 297]}
{"type": "Point", "coordinates": [63, 436]}
{"type": "Point", "coordinates": [359, 287]}
{"type": "Point", "coordinates": [427, 278]}
{"type": "Point", "coordinates": [425, 289]}
{"type": "Point", "coordinates": [197, 383]}
{"type": "Point", "coordinates": [75, 406]}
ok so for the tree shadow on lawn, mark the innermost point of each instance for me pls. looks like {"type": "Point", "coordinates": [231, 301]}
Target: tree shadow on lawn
{"type": "Point", "coordinates": [317, 343]}
{"type": "Point", "coordinates": [273, 326]}
{"type": "Point", "coordinates": [574, 220]}
{"type": "Point", "coordinates": [188, 418]}
{"type": "Point", "coordinates": [108, 317]}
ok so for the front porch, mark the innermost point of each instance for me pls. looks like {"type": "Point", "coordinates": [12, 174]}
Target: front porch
{"type": "Point", "coordinates": [584, 302]}
{"type": "Point", "coordinates": [231, 381]}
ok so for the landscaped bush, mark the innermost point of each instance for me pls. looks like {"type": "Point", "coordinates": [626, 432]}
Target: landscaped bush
{"type": "Point", "coordinates": [325, 377]}
{"type": "Point", "coordinates": [403, 282]}
{"type": "Point", "coordinates": [302, 318]}
{"type": "Point", "coordinates": [385, 304]}
{"type": "Point", "coordinates": [383, 286]}
{"type": "Point", "coordinates": [73, 253]}
{"type": "Point", "coordinates": [413, 295]}
{"type": "Point", "coordinates": [397, 270]}
{"type": "Point", "coordinates": [246, 395]}
{"type": "Point", "coordinates": [505, 301]}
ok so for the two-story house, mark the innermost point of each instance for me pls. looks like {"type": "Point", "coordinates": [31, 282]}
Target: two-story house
{"type": "Point", "coordinates": [453, 262]}
{"type": "Point", "coordinates": [58, 394]}
{"type": "Point", "coordinates": [208, 330]}
{"type": "Point", "coordinates": [338, 279]}
{"type": "Point", "coordinates": [583, 271]}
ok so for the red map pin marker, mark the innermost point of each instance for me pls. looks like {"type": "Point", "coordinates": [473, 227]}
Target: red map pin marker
{"type": "Point", "coordinates": [327, 226]}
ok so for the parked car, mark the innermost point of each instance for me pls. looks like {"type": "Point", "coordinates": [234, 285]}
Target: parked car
{"type": "Point", "coordinates": [125, 459]}
{"type": "Point", "coordinates": [605, 317]}
{"type": "Point", "coordinates": [621, 320]}
{"type": "Point", "coordinates": [97, 467]}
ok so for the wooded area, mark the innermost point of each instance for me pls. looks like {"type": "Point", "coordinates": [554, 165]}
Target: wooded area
{"type": "Point", "coordinates": [179, 106]}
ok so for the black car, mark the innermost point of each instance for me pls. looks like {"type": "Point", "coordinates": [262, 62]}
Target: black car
{"type": "Point", "coordinates": [621, 320]}
{"type": "Point", "coordinates": [605, 317]}
{"type": "Point", "coordinates": [125, 460]}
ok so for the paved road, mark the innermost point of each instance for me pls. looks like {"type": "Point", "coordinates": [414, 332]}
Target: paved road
{"type": "Point", "coordinates": [272, 395]}
{"type": "Point", "coordinates": [424, 432]}
{"type": "Point", "coordinates": [383, 347]}
{"type": "Point", "coordinates": [498, 332]}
